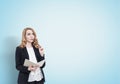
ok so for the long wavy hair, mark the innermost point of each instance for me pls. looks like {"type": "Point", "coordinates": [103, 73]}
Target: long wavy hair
{"type": "Point", "coordinates": [24, 41]}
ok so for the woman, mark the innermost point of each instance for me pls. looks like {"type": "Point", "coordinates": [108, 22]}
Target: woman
{"type": "Point", "coordinates": [31, 50]}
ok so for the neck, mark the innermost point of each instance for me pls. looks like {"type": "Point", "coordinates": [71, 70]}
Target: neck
{"type": "Point", "coordinates": [29, 44]}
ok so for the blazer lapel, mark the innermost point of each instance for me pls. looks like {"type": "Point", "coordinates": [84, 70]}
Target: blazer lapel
{"type": "Point", "coordinates": [36, 53]}
{"type": "Point", "coordinates": [26, 53]}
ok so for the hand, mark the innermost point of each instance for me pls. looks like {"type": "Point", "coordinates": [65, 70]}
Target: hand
{"type": "Point", "coordinates": [41, 50]}
{"type": "Point", "coordinates": [32, 68]}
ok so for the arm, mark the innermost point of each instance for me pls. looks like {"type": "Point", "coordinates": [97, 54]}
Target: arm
{"type": "Point", "coordinates": [43, 57]}
{"type": "Point", "coordinates": [41, 51]}
{"type": "Point", "coordinates": [19, 61]}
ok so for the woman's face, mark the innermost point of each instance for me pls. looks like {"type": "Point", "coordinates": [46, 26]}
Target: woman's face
{"type": "Point", "coordinates": [29, 36]}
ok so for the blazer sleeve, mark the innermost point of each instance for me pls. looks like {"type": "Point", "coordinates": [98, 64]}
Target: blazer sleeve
{"type": "Point", "coordinates": [19, 61]}
{"type": "Point", "coordinates": [43, 57]}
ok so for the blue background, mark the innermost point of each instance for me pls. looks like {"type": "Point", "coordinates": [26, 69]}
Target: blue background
{"type": "Point", "coordinates": [81, 39]}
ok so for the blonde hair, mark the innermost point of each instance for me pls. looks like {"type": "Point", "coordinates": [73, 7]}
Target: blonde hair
{"type": "Point", "coordinates": [24, 41]}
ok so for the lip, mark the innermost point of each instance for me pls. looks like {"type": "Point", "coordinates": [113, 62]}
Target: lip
{"type": "Point", "coordinates": [31, 39]}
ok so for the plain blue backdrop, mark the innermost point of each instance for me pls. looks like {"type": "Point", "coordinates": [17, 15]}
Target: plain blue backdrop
{"type": "Point", "coordinates": [81, 39]}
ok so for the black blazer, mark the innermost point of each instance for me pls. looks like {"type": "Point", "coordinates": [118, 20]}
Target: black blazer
{"type": "Point", "coordinates": [20, 55]}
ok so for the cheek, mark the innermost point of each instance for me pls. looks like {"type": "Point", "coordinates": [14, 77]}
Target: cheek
{"type": "Point", "coordinates": [27, 37]}
{"type": "Point", "coordinates": [33, 36]}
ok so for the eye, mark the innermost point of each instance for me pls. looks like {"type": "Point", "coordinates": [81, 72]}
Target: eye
{"type": "Point", "coordinates": [32, 33]}
{"type": "Point", "coordinates": [28, 34]}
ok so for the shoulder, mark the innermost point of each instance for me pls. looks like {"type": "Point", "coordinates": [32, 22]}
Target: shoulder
{"type": "Point", "coordinates": [35, 48]}
{"type": "Point", "coordinates": [18, 48]}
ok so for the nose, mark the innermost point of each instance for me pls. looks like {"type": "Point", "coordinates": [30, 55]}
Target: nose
{"type": "Point", "coordinates": [32, 36]}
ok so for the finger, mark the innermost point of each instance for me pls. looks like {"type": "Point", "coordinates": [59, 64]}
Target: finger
{"type": "Point", "coordinates": [42, 49]}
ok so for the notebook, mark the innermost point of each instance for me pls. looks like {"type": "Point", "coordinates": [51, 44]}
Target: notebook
{"type": "Point", "coordinates": [29, 63]}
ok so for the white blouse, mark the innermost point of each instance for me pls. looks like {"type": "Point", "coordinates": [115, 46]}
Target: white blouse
{"type": "Point", "coordinates": [37, 74]}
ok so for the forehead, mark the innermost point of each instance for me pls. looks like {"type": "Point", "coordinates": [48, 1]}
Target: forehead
{"type": "Point", "coordinates": [29, 31]}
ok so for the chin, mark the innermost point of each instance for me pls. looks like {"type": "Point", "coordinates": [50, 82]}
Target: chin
{"type": "Point", "coordinates": [30, 41]}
